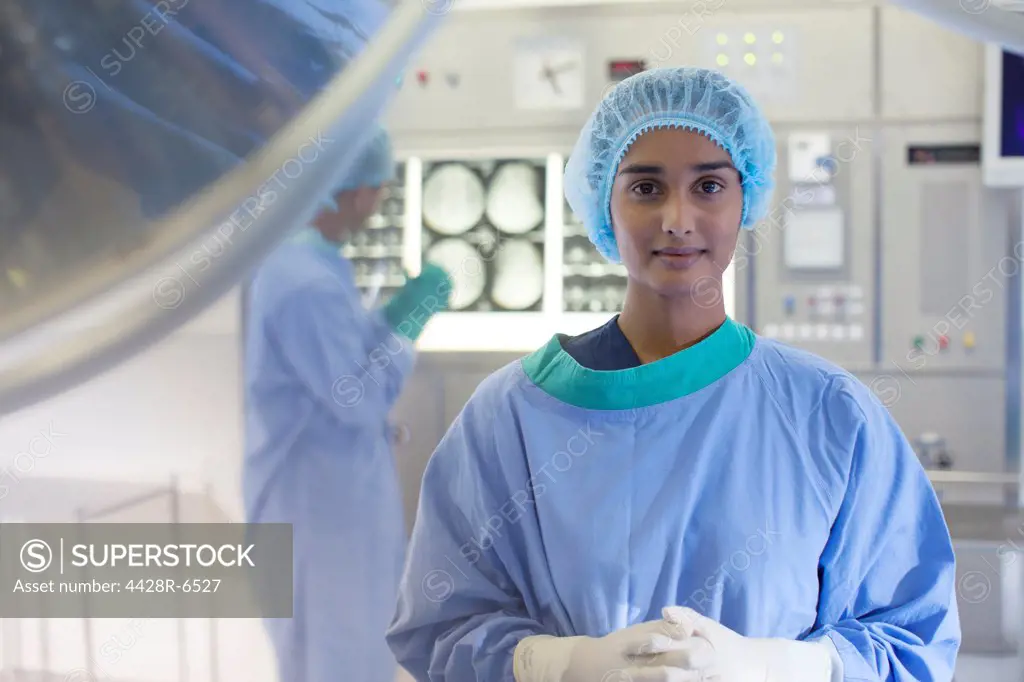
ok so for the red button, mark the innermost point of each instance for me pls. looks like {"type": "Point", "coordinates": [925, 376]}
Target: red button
{"type": "Point", "coordinates": [943, 342]}
{"type": "Point", "coordinates": [422, 77]}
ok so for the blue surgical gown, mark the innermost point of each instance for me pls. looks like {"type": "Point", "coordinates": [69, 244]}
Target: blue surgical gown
{"type": "Point", "coordinates": [321, 375]}
{"type": "Point", "coordinates": [758, 484]}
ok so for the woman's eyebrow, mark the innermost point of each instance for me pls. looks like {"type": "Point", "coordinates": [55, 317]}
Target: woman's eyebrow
{"type": "Point", "coordinates": [649, 169]}
{"type": "Point", "coordinates": [640, 169]}
{"type": "Point", "coordinates": [716, 165]}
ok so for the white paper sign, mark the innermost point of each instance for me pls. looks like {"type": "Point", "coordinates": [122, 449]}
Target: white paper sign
{"type": "Point", "coordinates": [814, 240]}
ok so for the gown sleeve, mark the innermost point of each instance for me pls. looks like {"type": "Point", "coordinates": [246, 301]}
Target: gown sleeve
{"type": "Point", "coordinates": [350, 359]}
{"type": "Point", "coordinates": [460, 615]}
{"type": "Point", "coordinates": [887, 574]}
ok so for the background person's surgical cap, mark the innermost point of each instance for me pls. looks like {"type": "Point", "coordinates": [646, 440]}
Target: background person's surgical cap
{"type": "Point", "coordinates": [701, 100]}
{"type": "Point", "coordinates": [375, 166]}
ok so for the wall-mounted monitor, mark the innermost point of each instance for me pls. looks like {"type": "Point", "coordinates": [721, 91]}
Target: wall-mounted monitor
{"type": "Point", "coordinates": [1003, 147]}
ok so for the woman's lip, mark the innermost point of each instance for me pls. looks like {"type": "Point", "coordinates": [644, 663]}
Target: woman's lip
{"type": "Point", "coordinates": [679, 261]}
{"type": "Point", "coordinates": [680, 252]}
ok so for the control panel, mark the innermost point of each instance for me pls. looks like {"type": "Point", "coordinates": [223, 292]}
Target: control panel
{"type": "Point", "coordinates": [947, 266]}
{"type": "Point", "coordinates": [829, 314]}
{"type": "Point", "coordinates": [815, 252]}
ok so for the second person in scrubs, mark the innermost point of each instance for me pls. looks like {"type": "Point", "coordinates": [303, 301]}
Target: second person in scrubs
{"type": "Point", "coordinates": [322, 374]}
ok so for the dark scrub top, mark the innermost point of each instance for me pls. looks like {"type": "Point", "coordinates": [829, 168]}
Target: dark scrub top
{"type": "Point", "coordinates": [604, 349]}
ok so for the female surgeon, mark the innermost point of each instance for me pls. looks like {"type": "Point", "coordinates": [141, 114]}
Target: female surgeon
{"type": "Point", "coordinates": [671, 497]}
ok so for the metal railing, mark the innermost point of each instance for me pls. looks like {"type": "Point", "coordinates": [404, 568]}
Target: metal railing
{"type": "Point", "coordinates": [83, 516]}
{"type": "Point", "coordinates": [953, 477]}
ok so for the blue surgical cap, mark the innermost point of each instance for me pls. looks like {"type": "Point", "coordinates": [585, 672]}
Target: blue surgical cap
{"type": "Point", "coordinates": [701, 100]}
{"type": "Point", "coordinates": [375, 167]}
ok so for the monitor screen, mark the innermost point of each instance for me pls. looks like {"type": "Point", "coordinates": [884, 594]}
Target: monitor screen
{"type": "Point", "coordinates": [1013, 106]}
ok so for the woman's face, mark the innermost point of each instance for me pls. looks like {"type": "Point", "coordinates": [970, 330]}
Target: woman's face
{"type": "Point", "coordinates": [676, 207]}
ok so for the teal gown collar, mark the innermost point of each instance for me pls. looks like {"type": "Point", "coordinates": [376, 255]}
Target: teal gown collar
{"type": "Point", "coordinates": [685, 372]}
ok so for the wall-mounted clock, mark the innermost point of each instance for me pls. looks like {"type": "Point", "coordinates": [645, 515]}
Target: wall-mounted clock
{"type": "Point", "coordinates": [549, 74]}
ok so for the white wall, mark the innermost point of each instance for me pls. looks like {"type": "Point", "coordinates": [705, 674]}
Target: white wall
{"type": "Point", "coordinates": [173, 410]}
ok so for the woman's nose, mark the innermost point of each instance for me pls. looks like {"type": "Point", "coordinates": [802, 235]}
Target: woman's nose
{"type": "Point", "coordinates": [678, 216]}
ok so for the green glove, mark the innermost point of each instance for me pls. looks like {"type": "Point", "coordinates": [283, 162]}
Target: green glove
{"type": "Point", "coordinates": [420, 299]}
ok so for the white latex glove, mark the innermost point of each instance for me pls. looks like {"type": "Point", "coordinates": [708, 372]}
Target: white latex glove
{"type": "Point", "coordinates": [726, 656]}
{"type": "Point", "coordinates": [633, 654]}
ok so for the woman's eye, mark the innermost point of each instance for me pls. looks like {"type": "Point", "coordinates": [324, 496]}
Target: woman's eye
{"type": "Point", "coordinates": [645, 188]}
{"type": "Point", "coordinates": [711, 186]}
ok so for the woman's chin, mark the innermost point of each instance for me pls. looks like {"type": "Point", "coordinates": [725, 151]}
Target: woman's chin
{"type": "Point", "coordinates": [700, 285]}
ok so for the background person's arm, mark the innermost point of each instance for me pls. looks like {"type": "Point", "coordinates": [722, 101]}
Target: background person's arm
{"type": "Point", "coordinates": [350, 359]}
